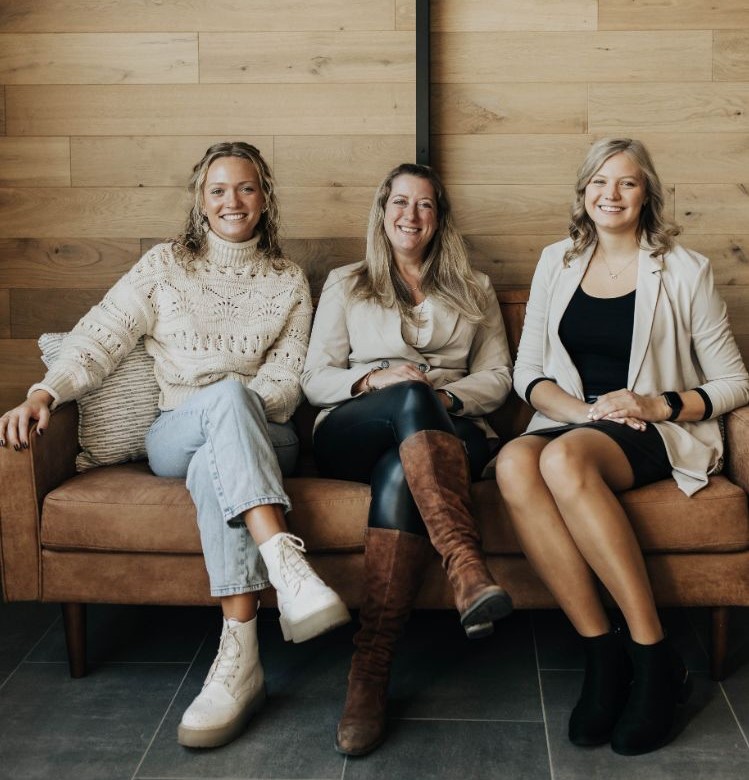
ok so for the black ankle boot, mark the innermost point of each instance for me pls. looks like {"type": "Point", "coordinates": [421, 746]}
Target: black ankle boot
{"type": "Point", "coordinates": [660, 682]}
{"type": "Point", "coordinates": [608, 673]}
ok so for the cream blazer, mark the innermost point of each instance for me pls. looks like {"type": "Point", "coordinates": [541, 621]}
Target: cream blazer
{"type": "Point", "coordinates": [681, 340]}
{"type": "Point", "coordinates": [350, 337]}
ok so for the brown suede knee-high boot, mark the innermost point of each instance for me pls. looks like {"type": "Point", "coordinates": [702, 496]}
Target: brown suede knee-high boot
{"type": "Point", "coordinates": [394, 563]}
{"type": "Point", "coordinates": [437, 472]}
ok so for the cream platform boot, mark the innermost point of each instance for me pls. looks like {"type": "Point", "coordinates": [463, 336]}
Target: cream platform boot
{"type": "Point", "coordinates": [307, 605]}
{"type": "Point", "coordinates": [232, 692]}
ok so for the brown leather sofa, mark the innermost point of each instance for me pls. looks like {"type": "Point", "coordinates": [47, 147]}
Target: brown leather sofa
{"type": "Point", "coordinates": [118, 534]}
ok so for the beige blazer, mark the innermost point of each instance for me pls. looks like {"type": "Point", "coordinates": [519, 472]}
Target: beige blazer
{"type": "Point", "coordinates": [681, 340]}
{"type": "Point", "coordinates": [351, 336]}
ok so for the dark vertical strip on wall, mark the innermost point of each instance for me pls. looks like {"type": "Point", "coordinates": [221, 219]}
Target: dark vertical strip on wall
{"type": "Point", "coordinates": [422, 82]}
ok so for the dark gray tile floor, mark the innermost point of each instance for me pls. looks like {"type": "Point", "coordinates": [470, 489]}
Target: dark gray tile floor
{"type": "Point", "coordinates": [460, 710]}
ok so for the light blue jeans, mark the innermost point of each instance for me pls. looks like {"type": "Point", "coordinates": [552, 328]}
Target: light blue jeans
{"type": "Point", "coordinates": [233, 459]}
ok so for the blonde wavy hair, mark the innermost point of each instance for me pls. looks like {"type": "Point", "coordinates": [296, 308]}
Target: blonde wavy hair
{"type": "Point", "coordinates": [191, 241]}
{"type": "Point", "coordinates": [446, 273]}
{"type": "Point", "coordinates": [657, 228]}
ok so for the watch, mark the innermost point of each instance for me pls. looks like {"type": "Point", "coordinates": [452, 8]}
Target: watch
{"type": "Point", "coordinates": [456, 405]}
{"type": "Point", "coordinates": [674, 401]}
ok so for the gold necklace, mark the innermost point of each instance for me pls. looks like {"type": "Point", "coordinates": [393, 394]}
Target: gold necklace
{"type": "Point", "coordinates": [613, 275]}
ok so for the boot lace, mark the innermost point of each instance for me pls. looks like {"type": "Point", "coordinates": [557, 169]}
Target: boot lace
{"type": "Point", "coordinates": [224, 667]}
{"type": "Point", "coordinates": [293, 565]}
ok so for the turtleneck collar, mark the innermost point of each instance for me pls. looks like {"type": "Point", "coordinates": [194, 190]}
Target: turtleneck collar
{"type": "Point", "coordinates": [228, 254]}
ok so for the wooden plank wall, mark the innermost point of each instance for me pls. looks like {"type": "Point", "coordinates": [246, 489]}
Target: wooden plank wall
{"type": "Point", "coordinates": [105, 107]}
{"type": "Point", "coordinates": [521, 88]}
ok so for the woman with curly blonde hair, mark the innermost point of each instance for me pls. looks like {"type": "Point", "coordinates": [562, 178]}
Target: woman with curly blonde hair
{"type": "Point", "coordinates": [226, 318]}
{"type": "Point", "coordinates": [628, 359]}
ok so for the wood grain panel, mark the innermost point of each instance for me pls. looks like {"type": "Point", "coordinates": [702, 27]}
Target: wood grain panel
{"type": "Point", "coordinates": [150, 161]}
{"type": "Point", "coordinates": [509, 108]}
{"type": "Point", "coordinates": [71, 262]}
{"type": "Point", "coordinates": [405, 14]}
{"type": "Point", "coordinates": [553, 158]}
{"type": "Point", "coordinates": [211, 109]}
{"type": "Point", "coordinates": [728, 253]}
{"type": "Point", "coordinates": [509, 159]}
{"type": "Point", "coordinates": [672, 14]}
{"type": "Point", "coordinates": [479, 16]}
{"type": "Point", "coordinates": [99, 58]}
{"type": "Point", "coordinates": [712, 208]}
{"type": "Point", "coordinates": [4, 314]}
{"type": "Point", "coordinates": [588, 57]}
{"type": "Point", "coordinates": [320, 256]}
{"type": "Point", "coordinates": [339, 161]}
{"type": "Point", "coordinates": [314, 58]}
{"type": "Point", "coordinates": [509, 261]}
{"type": "Point", "coordinates": [2, 110]}
{"type": "Point", "coordinates": [324, 212]}
{"type": "Point", "coordinates": [31, 313]}
{"type": "Point", "coordinates": [635, 108]}
{"type": "Point", "coordinates": [194, 15]}
{"type": "Point", "coordinates": [22, 366]}
{"type": "Point", "coordinates": [43, 162]}
{"type": "Point", "coordinates": [91, 212]}
{"type": "Point", "coordinates": [731, 55]}
{"type": "Point", "coordinates": [510, 209]}
{"type": "Point", "coordinates": [699, 157]}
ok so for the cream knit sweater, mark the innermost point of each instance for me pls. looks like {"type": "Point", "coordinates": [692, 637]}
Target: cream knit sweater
{"type": "Point", "coordinates": [229, 315]}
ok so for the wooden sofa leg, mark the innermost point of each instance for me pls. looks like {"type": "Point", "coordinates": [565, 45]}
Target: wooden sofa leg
{"type": "Point", "coordinates": [74, 621]}
{"type": "Point", "coordinates": [719, 643]}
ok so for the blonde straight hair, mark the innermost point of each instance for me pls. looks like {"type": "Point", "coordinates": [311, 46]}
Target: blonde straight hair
{"type": "Point", "coordinates": [446, 274]}
{"type": "Point", "coordinates": [657, 228]}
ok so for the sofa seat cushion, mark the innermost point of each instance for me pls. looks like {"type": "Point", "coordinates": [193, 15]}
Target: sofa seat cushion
{"type": "Point", "coordinates": [715, 519]}
{"type": "Point", "coordinates": [126, 508]}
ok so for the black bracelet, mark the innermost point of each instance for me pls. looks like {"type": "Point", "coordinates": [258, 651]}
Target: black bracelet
{"type": "Point", "coordinates": [673, 399]}
{"type": "Point", "coordinates": [706, 400]}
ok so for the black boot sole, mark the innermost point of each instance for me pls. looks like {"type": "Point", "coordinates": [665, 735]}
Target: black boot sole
{"type": "Point", "coordinates": [682, 697]}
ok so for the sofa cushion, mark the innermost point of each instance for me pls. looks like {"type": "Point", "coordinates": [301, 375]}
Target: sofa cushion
{"type": "Point", "coordinates": [715, 519]}
{"type": "Point", "coordinates": [113, 418]}
{"type": "Point", "coordinates": [126, 508]}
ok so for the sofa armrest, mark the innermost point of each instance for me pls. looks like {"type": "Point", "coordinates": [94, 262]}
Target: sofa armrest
{"type": "Point", "coordinates": [737, 447]}
{"type": "Point", "coordinates": [26, 478]}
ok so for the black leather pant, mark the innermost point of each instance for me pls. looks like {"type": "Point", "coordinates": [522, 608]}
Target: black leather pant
{"type": "Point", "coordinates": [359, 441]}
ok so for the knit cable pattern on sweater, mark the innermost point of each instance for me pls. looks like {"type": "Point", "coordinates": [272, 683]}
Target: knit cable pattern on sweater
{"type": "Point", "coordinates": [228, 314]}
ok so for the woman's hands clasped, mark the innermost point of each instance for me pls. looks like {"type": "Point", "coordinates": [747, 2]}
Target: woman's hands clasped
{"type": "Point", "coordinates": [384, 377]}
{"type": "Point", "coordinates": [15, 423]}
{"type": "Point", "coordinates": [628, 408]}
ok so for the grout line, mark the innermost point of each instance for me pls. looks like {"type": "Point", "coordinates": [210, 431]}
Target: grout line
{"type": "Point", "coordinates": [733, 712]}
{"type": "Point", "coordinates": [541, 694]}
{"type": "Point", "coordinates": [169, 706]}
{"type": "Point", "coordinates": [33, 647]}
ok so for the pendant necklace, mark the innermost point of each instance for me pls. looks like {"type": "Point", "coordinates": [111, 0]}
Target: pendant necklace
{"type": "Point", "coordinates": [613, 275]}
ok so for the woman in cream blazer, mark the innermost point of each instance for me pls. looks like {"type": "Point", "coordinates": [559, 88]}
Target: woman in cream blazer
{"type": "Point", "coordinates": [407, 354]}
{"type": "Point", "coordinates": [628, 358]}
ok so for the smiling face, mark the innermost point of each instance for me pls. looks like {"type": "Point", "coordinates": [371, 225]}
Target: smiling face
{"type": "Point", "coordinates": [232, 198]}
{"type": "Point", "coordinates": [410, 216]}
{"type": "Point", "coordinates": [615, 194]}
